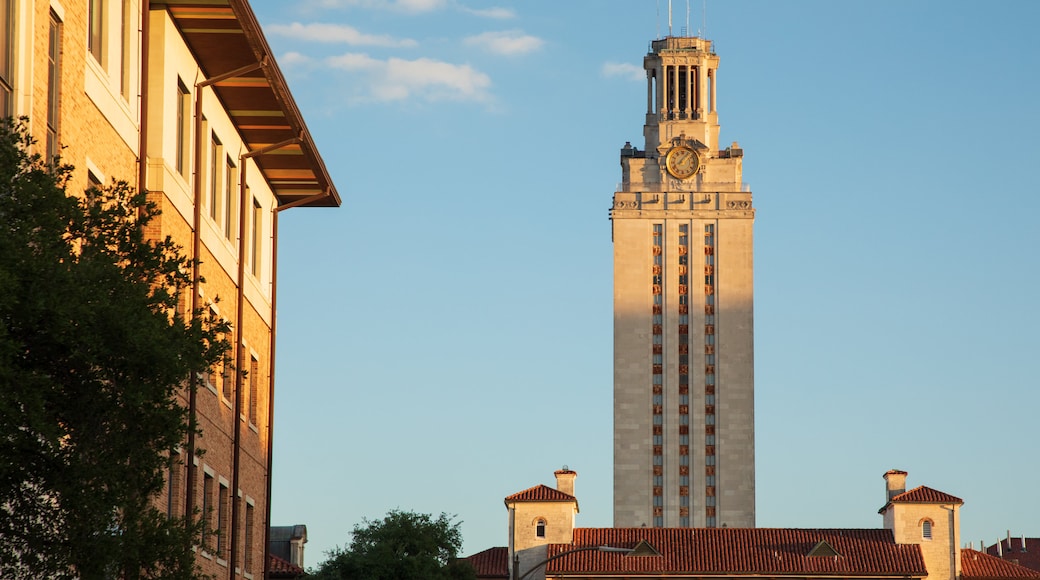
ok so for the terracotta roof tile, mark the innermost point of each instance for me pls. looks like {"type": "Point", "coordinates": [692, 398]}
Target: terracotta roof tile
{"type": "Point", "coordinates": [540, 493]}
{"type": "Point", "coordinates": [924, 494]}
{"type": "Point", "coordinates": [733, 551]}
{"type": "Point", "coordinates": [1014, 551]}
{"type": "Point", "coordinates": [980, 566]}
{"type": "Point", "coordinates": [279, 568]}
{"type": "Point", "coordinates": [491, 563]}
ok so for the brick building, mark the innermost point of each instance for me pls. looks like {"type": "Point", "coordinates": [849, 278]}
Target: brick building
{"type": "Point", "coordinates": [183, 99]}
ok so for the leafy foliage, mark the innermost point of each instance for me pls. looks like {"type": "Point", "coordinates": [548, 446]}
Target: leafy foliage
{"type": "Point", "coordinates": [92, 357]}
{"type": "Point", "coordinates": [402, 546]}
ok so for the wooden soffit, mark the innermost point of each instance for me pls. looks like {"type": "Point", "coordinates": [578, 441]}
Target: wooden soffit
{"type": "Point", "coordinates": [225, 36]}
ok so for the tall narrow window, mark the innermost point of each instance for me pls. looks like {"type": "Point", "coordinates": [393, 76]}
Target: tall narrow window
{"type": "Point", "coordinates": [926, 529]}
{"type": "Point", "coordinates": [6, 57]}
{"type": "Point", "coordinates": [247, 564]}
{"type": "Point", "coordinates": [183, 130]}
{"type": "Point", "coordinates": [539, 529]}
{"type": "Point", "coordinates": [207, 510]}
{"type": "Point", "coordinates": [173, 485]}
{"type": "Point", "coordinates": [53, 86]}
{"type": "Point", "coordinates": [229, 198]}
{"type": "Point", "coordinates": [96, 29]}
{"type": "Point", "coordinates": [216, 151]}
{"type": "Point", "coordinates": [223, 519]}
{"type": "Point", "coordinates": [254, 380]}
{"type": "Point", "coordinates": [125, 36]}
{"type": "Point", "coordinates": [257, 231]}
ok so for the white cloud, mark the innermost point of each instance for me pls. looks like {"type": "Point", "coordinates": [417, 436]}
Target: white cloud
{"type": "Point", "coordinates": [406, 6]}
{"type": "Point", "coordinates": [293, 59]}
{"type": "Point", "coordinates": [496, 13]}
{"type": "Point", "coordinates": [508, 42]}
{"type": "Point", "coordinates": [337, 33]}
{"type": "Point", "coordinates": [624, 70]}
{"type": "Point", "coordinates": [397, 79]}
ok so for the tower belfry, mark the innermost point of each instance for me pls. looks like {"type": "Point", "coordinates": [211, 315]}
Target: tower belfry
{"type": "Point", "coordinates": [684, 453]}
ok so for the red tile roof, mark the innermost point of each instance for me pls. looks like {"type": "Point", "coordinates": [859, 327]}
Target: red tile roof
{"type": "Point", "coordinates": [924, 494]}
{"type": "Point", "coordinates": [491, 563]}
{"type": "Point", "coordinates": [541, 493]}
{"type": "Point", "coordinates": [279, 568]}
{"type": "Point", "coordinates": [980, 566]}
{"type": "Point", "coordinates": [1014, 551]}
{"type": "Point", "coordinates": [735, 551]}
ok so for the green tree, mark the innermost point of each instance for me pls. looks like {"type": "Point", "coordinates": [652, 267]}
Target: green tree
{"type": "Point", "coordinates": [401, 546]}
{"type": "Point", "coordinates": [92, 356]}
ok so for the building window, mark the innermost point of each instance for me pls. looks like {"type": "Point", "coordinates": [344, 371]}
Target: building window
{"type": "Point", "coordinates": [96, 29]}
{"type": "Point", "coordinates": [254, 379]}
{"type": "Point", "coordinates": [229, 198]}
{"type": "Point", "coordinates": [53, 86]}
{"type": "Point", "coordinates": [6, 57]}
{"type": "Point", "coordinates": [124, 49]}
{"type": "Point", "coordinates": [173, 485]}
{"type": "Point", "coordinates": [926, 529]}
{"type": "Point", "coordinates": [539, 528]}
{"type": "Point", "coordinates": [207, 509]}
{"type": "Point", "coordinates": [183, 128]}
{"type": "Point", "coordinates": [256, 230]}
{"type": "Point", "coordinates": [247, 560]}
{"type": "Point", "coordinates": [223, 520]}
{"type": "Point", "coordinates": [216, 151]}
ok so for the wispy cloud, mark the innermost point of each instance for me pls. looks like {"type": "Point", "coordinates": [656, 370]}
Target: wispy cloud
{"type": "Point", "coordinates": [495, 13]}
{"type": "Point", "coordinates": [397, 79]}
{"type": "Point", "coordinates": [417, 7]}
{"type": "Point", "coordinates": [507, 42]}
{"type": "Point", "coordinates": [293, 59]}
{"type": "Point", "coordinates": [624, 70]}
{"type": "Point", "coordinates": [406, 6]}
{"type": "Point", "coordinates": [337, 33]}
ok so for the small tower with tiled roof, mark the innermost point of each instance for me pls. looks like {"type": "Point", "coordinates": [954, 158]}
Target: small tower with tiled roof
{"type": "Point", "coordinates": [928, 518]}
{"type": "Point", "coordinates": [538, 516]}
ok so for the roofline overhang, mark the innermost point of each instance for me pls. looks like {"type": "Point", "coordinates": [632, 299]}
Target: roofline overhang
{"type": "Point", "coordinates": [246, 19]}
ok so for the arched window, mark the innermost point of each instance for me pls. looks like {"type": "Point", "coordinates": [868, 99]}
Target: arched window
{"type": "Point", "coordinates": [926, 529]}
{"type": "Point", "coordinates": [539, 528]}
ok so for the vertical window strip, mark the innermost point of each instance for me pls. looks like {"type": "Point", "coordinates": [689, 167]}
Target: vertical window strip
{"type": "Point", "coordinates": [684, 375]}
{"type": "Point", "coordinates": [257, 231]}
{"type": "Point", "coordinates": [124, 49]}
{"type": "Point", "coordinates": [182, 128]}
{"type": "Point", "coordinates": [53, 86]}
{"type": "Point", "coordinates": [709, 376]}
{"type": "Point", "coordinates": [6, 57]}
{"type": "Point", "coordinates": [96, 30]}
{"type": "Point", "coordinates": [657, 401]}
{"type": "Point", "coordinates": [229, 198]}
{"type": "Point", "coordinates": [215, 153]}
{"type": "Point", "coordinates": [254, 384]}
{"type": "Point", "coordinates": [247, 560]}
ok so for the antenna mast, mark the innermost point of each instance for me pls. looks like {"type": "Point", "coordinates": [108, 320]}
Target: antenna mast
{"type": "Point", "coordinates": [669, 17]}
{"type": "Point", "coordinates": [687, 17]}
{"type": "Point", "coordinates": [704, 16]}
{"type": "Point", "coordinates": [658, 22]}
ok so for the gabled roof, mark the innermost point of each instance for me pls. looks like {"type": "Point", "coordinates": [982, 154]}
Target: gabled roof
{"type": "Point", "coordinates": [925, 494]}
{"type": "Point", "coordinates": [541, 493]}
{"type": "Point", "coordinates": [740, 551]}
{"type": "Point", "coordinates": [491, 563]}
{"type": "Point", "coordinates": [224, 37]}
{"type": "Point", "coordinates": [980, 566]}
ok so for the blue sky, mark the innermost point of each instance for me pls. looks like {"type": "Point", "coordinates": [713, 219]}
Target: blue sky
{"type": "Point", "coordinates": [445, 336]}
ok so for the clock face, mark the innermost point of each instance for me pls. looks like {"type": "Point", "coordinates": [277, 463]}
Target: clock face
{"type": "Point", "coordinates": [682, 162]}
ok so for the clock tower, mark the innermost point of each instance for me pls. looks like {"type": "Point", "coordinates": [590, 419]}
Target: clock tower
{"type": "Point", "coordinates": [684, 423]}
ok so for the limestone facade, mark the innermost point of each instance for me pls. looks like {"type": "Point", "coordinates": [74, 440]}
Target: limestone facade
{"type": "Point", "coordinates": [684, 453]}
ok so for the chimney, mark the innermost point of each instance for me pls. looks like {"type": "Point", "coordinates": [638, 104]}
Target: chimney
{"type": "Point", "coordinates": [895, 484]}
{"type": "Point", "coordinates": [565, 480]}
